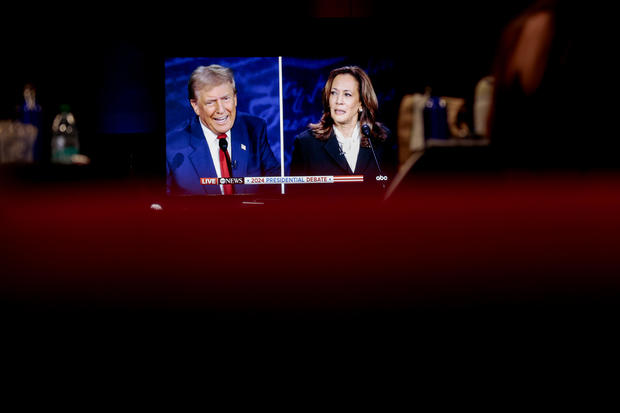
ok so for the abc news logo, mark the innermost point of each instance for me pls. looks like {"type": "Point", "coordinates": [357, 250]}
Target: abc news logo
{"type": "Point", "coordinates": [381, 178]}
{"type": "Point", "coordinates": [221, 181]}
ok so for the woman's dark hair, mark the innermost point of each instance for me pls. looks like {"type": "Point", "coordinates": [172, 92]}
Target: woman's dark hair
{"type": "Point", "coordinates": [323, 129]}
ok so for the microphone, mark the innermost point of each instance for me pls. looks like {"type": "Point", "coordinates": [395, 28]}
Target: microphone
{"type": "Point", "coordinates": [224, 146]}
{"type": "Point", "coordinates": [366, 132]}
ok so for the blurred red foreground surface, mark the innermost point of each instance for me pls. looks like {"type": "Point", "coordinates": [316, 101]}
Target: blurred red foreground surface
{"type": "Point", "coordinates": [438, 241]}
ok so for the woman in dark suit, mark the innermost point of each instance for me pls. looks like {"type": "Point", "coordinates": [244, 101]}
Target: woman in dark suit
{"type": "Point", "coordinates": [343, 141]}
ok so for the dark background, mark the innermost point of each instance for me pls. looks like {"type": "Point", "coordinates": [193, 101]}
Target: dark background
{"type": "Point", "coordinates": [516, 278]}
{"type": "Point", "coordinates": [108, 62]}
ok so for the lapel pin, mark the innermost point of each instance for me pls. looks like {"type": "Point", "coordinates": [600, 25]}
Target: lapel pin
{"type": "Point", "coordinates": [243, 147]}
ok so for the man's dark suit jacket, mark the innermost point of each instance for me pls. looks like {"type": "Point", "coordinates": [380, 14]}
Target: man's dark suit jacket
{"type": "Point", "coordinates": [188, 157]}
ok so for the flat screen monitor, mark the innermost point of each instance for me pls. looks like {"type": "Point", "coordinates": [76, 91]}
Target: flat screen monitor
{"type": "Point", "coordinates": [273, 101]}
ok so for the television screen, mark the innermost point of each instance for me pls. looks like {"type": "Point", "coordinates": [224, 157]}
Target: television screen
{"type": "Point", "coordinates": [259, 106]}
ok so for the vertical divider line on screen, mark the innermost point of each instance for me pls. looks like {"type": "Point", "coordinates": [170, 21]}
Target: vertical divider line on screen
{"type": "Point", "coordinates": [281, 122]}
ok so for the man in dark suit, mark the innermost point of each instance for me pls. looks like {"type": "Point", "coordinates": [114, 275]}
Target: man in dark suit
{"type": "Point", "coordinates": [218, 141]}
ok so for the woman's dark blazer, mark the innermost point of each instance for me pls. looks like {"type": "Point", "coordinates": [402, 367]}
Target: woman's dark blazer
{"type": "Point", "coordinates": [312, 156]}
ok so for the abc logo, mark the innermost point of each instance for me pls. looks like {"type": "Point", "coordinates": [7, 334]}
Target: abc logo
{"type": "Point", "coordinates": [381, 178]}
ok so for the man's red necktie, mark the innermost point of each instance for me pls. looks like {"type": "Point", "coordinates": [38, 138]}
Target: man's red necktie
{"type": "Point", "coordinates": [228, 189]}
